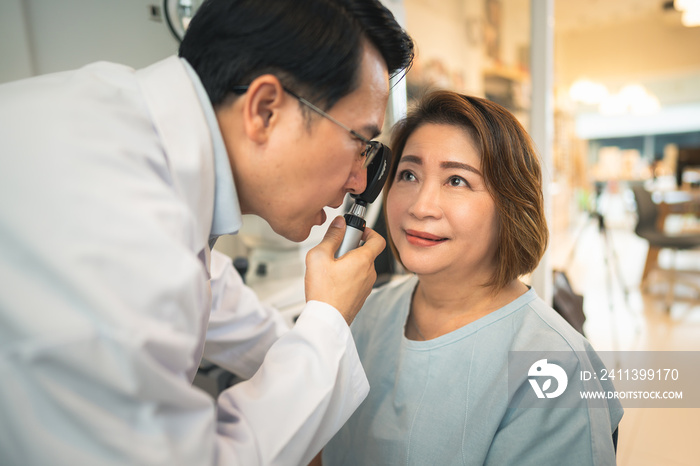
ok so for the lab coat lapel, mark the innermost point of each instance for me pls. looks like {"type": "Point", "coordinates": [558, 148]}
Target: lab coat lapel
{"type": "Point", "coordinates": [180, 122]}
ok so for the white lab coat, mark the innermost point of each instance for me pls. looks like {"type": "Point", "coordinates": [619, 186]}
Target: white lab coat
{"type": "Point", "coordinates": [106, 195]}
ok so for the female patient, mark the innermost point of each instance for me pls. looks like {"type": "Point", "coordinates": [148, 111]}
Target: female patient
{"type": "Point", "coordinates": [465, 215]}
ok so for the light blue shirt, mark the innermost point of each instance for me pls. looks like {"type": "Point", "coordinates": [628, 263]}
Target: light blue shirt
{"type": "Point", "coordinates": [447, 401]}
{"type": "Point", "coordinates": [227, 218]}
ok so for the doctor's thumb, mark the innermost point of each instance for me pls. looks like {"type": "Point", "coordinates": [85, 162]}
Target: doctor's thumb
{"type": "Point", "coordinates": [334, 235]}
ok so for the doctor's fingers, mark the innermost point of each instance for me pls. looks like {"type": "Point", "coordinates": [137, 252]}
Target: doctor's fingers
{"type": "Point", "coordinates": [332, 239]}
{"type": "Point", "coordinates": [374, 243]}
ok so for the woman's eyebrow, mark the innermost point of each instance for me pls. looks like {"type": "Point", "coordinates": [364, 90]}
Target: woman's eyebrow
{"type": "Point", "coordinates": [447, 164]}
{"type": "Point", "coordinates": [461, 166]}
{"type": "Point", "coordinates": [411, 159]}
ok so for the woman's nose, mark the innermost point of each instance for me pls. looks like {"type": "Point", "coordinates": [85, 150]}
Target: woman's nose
{"type": "Point", "coordinates": [426, 202]}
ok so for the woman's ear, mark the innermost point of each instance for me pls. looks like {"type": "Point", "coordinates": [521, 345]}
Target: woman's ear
{"type": "Point", "coordinates": [262, 105]}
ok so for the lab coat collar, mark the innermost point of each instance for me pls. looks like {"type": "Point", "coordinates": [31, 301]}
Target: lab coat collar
{"type": "Point", "coordinates": [227, 217]}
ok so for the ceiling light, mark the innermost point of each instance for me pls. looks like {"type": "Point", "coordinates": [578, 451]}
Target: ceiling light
{"type": "Point", "coordinates": [648, 105]}
{"type": "Point", "coordinates": [691, 18]}
{"type": "Point", "coordinates": [587, 92]}
{"type": "Point", "coordinates": [613, 105]}
{"type": "Point", "coordinates": [685, 5]}
{"type": "Point", "coordinates": [691, 11]}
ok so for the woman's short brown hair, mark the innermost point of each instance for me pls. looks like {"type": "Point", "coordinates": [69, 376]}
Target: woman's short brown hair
{"type": "Point", "coordinates": [510, 166]}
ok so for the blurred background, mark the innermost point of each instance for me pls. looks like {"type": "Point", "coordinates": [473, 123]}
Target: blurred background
{"type": "Point", "coordinates": [610, 92]}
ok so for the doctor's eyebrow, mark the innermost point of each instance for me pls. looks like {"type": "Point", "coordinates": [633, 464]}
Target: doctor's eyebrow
{"type": "Point", "coordinates": [372, 130]}
{"type": "Point", "coordinates": [448, 164]}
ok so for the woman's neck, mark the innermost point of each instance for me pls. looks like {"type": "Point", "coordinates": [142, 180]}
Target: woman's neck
{"type": "Point", "coordinates": [441, 306]}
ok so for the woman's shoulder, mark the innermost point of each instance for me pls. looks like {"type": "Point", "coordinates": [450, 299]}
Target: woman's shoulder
{"type": "Point", "coordinates": [384, 302]}
{"type": "Point", "coordinates": [542, 328]}
{"type": "Point", "coordinates": [394, 290]}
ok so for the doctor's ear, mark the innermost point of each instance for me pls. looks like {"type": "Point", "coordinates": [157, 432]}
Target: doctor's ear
{"type": "Point", "coordinates": [262, 105]}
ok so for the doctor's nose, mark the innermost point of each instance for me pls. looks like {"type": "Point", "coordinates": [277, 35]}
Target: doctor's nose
{"type": "Point", "coordinates": [357, 181]}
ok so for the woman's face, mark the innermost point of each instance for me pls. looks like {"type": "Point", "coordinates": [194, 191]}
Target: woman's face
{"type": "Point", "coordinates": [441, 216]}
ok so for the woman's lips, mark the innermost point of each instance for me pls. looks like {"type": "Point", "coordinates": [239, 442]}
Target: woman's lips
{"type": "Point", "coordinates": [424, 239]}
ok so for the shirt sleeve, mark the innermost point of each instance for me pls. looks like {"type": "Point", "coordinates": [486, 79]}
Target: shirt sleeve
{"type": "Point", "coordinates": [537, 436]}
{"type": "Point", "coordinates": [241, 329]}
{"type": "Point", "coordinates": [308, 386]}
{"type": "Point", "coordinates": [543, 433]}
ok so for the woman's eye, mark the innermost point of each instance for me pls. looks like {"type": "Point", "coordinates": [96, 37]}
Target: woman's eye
{"type": "Point", "coordinates": [457, 181]}
{"type": "Point", "coordinates": [406, 175]}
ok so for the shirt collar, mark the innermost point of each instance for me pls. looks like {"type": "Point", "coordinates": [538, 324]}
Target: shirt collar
{"type": "Point", "coordinates": [227, 219]}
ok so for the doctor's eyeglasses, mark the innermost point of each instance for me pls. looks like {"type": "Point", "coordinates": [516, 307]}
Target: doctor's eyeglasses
{"type": "Point", "coordinates": [372, 148]}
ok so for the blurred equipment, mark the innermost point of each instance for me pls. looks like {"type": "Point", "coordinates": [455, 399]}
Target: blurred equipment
{"type": "Point", "coordinates": [178, 14]}
{"type": "Point", "coordinates": [567, 302]}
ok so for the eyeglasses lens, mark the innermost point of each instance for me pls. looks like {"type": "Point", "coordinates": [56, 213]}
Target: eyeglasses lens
{"type": "Point", "coordinates": [371, 151]}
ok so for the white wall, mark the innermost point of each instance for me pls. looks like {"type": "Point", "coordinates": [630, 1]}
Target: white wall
{"type": "Point", "coordinates": [43, 36]}
{"type": "Point", "coordinates": [16, 62]}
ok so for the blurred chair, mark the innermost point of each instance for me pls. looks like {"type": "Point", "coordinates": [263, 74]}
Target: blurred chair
{"type": "Point", "coordinates": [688, 157]}
{"type": "Point", "coordinates": [647, 228]}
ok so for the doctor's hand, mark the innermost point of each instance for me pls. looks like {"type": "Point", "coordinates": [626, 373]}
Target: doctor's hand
{"type": "Point", "coordinates": [346, 282]}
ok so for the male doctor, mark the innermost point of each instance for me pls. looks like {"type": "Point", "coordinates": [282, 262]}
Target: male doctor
{"type": "Point", "coordinates": [114, 183]}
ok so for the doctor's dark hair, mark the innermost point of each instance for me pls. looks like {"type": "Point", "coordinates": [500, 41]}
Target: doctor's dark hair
{"type": "Point", "coordinates": [314, 47]}
{"type": "Point", "coordinates": [511, 169]}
